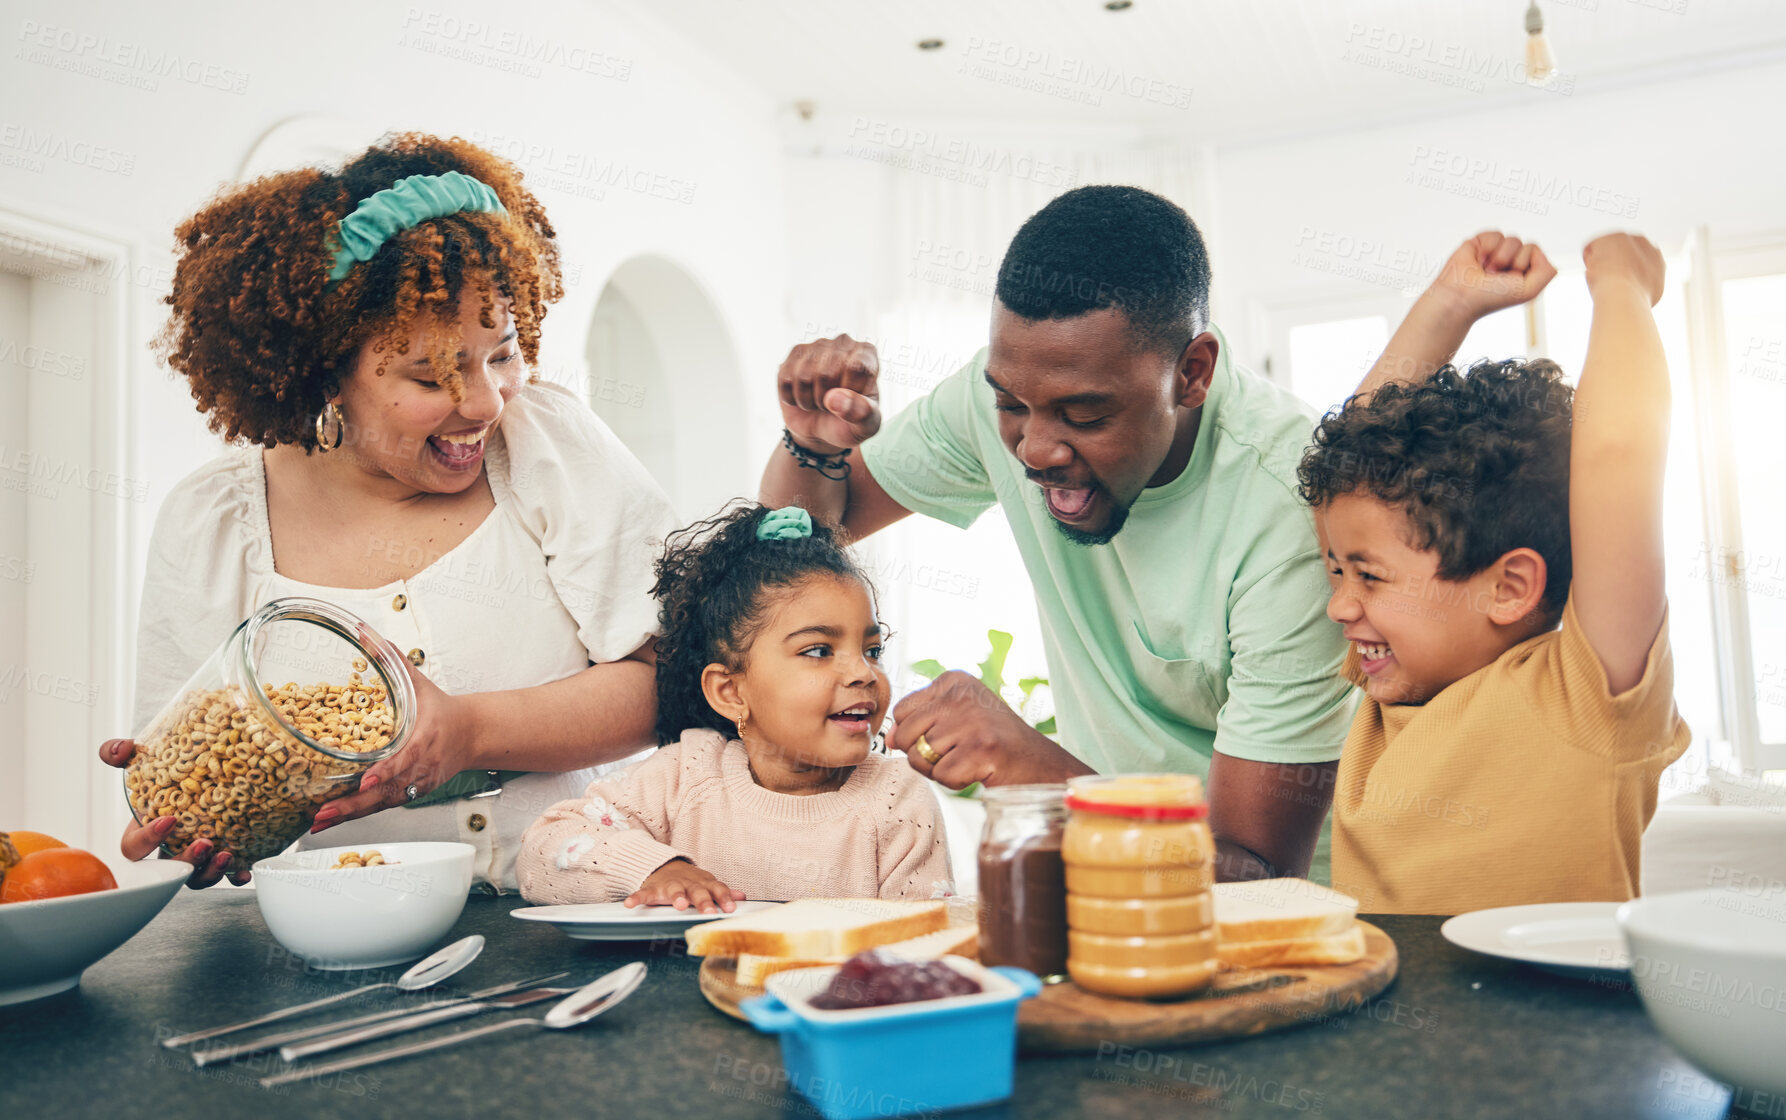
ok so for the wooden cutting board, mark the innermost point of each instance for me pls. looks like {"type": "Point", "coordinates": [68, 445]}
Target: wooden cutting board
{"type": "Point", "coordinates": [1239, 1003]}
{"type": "Point", "coordinates": [719, 983]}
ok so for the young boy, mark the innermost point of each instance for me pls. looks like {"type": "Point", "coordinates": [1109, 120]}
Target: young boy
{"type": "Point", "coordinates": [1495, 553]}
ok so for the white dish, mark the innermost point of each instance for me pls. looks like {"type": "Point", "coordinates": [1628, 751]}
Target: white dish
{"type": "Point", "coordinates": [47, 944]}
{"type": "Point", "coordinates": [615, 921]}
{"type": "Point", "coordinates": [364, 917]}
{"type": "Point", "coordinates": [1575, 939]}
{"type": "Point", "coordinates": [1710, 967]}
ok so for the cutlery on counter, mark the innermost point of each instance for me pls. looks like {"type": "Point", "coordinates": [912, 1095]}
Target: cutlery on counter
{"type": "Point", "coordinates": [423, 975]}
{"type": "Point", "coordinates": [231, 1052]}
{"type": "Point", "coordinates": [573, 1011]}
{"type": "Point", "coordinates": [419, 1019]}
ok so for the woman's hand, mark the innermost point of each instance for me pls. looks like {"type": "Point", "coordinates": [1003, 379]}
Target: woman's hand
{"type": "Point", "coordinates": [438, 748]}
{"type": "Point", "coordinates": [140, 841]}
{"type": "Point", "coordinates": [681, 884]}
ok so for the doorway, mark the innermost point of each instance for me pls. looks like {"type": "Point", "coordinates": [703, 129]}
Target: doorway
{"type": "Point", "coordinates": [66, 502]}
{"type": "Point", "coordinates": [664, 376]}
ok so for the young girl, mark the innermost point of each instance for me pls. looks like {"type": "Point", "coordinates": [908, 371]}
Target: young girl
{"type": "Point", "coordinates": [770, 691]}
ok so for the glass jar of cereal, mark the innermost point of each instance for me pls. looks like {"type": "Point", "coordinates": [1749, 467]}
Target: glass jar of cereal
{"type": "Point", "coordinates": [282, 717]}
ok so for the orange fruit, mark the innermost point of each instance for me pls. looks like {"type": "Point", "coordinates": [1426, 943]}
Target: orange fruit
{"type": "Point", "coordinates": [28, 842]}
{"type": "Point", "coordinates": [54, 873]}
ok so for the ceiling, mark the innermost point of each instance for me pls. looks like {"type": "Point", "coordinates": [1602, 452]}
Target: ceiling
{"type": "Point", "coordinates": [1204, 71]}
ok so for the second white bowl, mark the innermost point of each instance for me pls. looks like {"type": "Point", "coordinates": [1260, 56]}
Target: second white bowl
{"type": "Point", "coordinates": [1711, 968]}
{"type": "Point", "coordinates": [364, 917]}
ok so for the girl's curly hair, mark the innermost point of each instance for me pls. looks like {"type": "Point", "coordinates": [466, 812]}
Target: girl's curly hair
{"type": "Point", "coordinates": [715, 583]}
{"type": "Point", "coordinates": [263, 338]}
{"type": "Point", "coordinates": [1478, 461]}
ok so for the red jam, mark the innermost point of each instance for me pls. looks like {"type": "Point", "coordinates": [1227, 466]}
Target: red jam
{"type": "Point", "coordinates": [874, 979]}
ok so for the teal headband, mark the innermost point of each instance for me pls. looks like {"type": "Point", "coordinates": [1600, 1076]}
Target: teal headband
{"type": "Point", "coordinates": [789, 523]}
{"type": "Point", "coordinates": [403, 205]}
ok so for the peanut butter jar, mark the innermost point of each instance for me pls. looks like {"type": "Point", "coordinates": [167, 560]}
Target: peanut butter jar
{"type": "Point", "coordinates": [1139, 861]}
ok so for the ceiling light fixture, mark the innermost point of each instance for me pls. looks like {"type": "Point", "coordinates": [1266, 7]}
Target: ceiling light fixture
{"type": "Point", "coordinates": [1540, 63]}
{"type": "Point", "coordinates": [1118, 5]}
{"type": "Point", "coordinates": [930, 44]}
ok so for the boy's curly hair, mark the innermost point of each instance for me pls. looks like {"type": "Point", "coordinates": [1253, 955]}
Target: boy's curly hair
{"type": "Point", "coordinates": [715, 582]}
{"type": "Point", "coordinates": [1478, 461]}
{"type": "Point", "coordinates": [264, 340]}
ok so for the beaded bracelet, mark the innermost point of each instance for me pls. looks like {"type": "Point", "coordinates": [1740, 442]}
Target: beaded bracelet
{"type": "Point", "coordinates": [834, 467]}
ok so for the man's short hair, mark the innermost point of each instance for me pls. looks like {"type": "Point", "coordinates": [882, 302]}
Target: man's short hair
{"type": "Point", "coordinates": [1106, 246]}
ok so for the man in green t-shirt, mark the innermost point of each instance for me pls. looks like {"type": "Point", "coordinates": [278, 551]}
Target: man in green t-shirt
{"type": "Point", "coordinates": [1151, 489]}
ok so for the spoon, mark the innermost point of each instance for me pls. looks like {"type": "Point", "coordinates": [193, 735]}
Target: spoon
{"type": "Point", "coordinates": [574, 1010]}
{"type": "Point", "coordinates": [425, 974]}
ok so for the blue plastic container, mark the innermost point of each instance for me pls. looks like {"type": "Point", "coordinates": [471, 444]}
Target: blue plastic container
{"type": "Point", "coordinates": [904, 1058]}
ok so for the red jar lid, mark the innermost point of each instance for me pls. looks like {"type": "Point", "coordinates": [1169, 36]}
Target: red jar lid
{"type": "Point", "coordinates": [1145, 797]}
{"type": "Point", "coordinates": [1139, 812]}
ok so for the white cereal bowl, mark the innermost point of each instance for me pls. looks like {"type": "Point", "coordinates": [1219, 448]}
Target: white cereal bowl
{"type": "Point", "coordinates": [1711, 969]}
{"type": "Point", "coordinates": [45, 945]}
{"type": "Point", "coordinates": [364, 917]}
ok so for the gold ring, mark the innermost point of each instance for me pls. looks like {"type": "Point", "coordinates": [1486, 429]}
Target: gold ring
{"type": "Point", "coordinates": [929, 754]}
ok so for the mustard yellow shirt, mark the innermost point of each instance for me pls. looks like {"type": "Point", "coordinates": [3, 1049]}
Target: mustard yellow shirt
{"type": "Point", "coordinates": [1526, 781]}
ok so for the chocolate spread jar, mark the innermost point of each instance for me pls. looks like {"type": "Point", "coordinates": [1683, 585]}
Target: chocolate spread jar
{"type": "Point", "coordinates": [1023, 892]}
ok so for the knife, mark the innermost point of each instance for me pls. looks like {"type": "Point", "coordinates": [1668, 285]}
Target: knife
{"type": "Point", "coordinates": [272, 1041]}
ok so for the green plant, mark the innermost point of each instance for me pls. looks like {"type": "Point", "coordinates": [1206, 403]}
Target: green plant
{"type": "Point", "coordinates": [992, 675]}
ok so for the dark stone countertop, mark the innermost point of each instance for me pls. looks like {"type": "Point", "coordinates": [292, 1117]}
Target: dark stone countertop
{"type": "Point", "coordinates": [1457, 1035]}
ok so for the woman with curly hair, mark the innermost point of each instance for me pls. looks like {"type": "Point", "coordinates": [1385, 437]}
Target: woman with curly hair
{"type": "Point", "coordinates": [364, 337]}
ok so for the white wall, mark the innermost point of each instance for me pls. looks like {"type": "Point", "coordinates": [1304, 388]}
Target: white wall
{"type": "Point", "coordinates": [122, 118]}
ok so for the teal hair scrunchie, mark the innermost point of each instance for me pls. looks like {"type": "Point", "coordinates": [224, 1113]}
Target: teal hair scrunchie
{"type": "Point", "coordinates": [789, 523]}
{"type": "Point", "coordinates": [403, 205]}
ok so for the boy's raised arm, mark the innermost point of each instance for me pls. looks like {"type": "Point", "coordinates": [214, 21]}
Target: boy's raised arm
{"type": "Point", "coordinates": [1618, 449]}
{"type": "Point", "coordinates": [1487, 273]}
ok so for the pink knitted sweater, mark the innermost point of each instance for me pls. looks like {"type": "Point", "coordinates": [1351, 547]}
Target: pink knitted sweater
{"type": "Point", "coordinates": [880, 835]}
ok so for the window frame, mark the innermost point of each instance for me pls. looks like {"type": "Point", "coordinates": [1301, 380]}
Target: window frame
{"type": "Point", "coordinates": [1710, 263]}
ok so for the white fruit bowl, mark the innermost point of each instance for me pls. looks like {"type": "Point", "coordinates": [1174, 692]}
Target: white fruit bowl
{"type": "Point", "coordinates": [45, 945]}
{"type": "Point", "coordinates": [364, 917]}
{"type": "Point", "coordinates": [1711, 969]}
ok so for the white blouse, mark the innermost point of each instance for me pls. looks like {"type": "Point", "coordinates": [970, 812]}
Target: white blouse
{"type": "Point", "coordinates": [556, 578]}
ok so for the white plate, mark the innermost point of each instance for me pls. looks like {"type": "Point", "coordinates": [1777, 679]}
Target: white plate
{"type": "Point", "coordinates": [614, 921]}
{"type": "Point", "coordinates": [1579, 939]}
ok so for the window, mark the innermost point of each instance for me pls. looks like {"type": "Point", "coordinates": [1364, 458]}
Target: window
{"type": "Point", "coordinates": [1754, 338]}
{"type": "Point", "coordinates": [1328, 360]}
{"type": "Point", "coordinates": [1496, 337]}
{"type": "Point", "coordinates": [1328, 357]}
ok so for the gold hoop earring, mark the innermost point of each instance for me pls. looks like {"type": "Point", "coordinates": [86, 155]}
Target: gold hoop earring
{"type": "Point", "coordinates": [742, 717]}
{"type": "Point", "coordinates": [330, 414]}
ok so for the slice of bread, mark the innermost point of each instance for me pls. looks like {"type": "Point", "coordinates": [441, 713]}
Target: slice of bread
{"type": "Point", "coordinates": [1297, 952]}
{"type": "Point", "coordinates": [818, 928]}
{"type": "Point", "coordinates": [960, 941]}
{"type": "Point", "coordinates": [1281, 910]}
